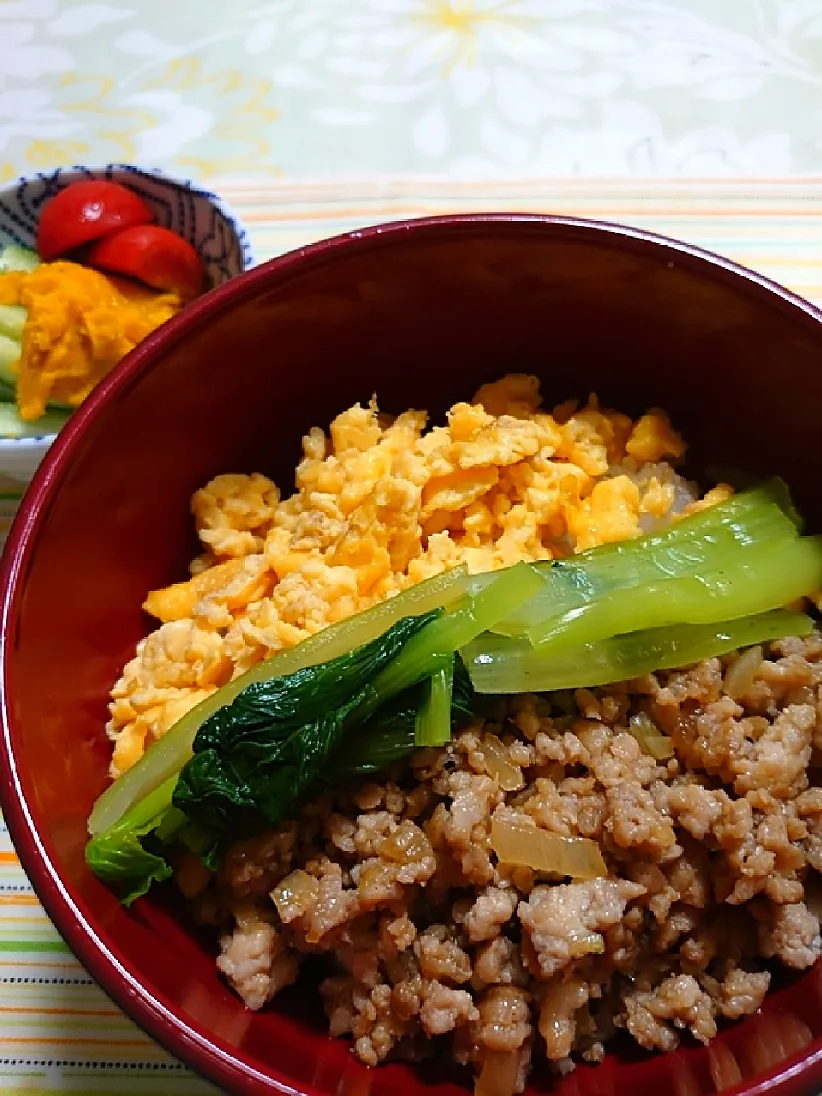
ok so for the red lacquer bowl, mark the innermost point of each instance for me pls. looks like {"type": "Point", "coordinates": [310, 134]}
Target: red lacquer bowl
{"type": "Point", "coordinates": [421, 313]}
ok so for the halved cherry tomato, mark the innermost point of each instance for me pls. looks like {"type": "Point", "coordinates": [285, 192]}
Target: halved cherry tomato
{"type": "Point", "coordinates": [153, 255]}
{"type": "Point", "coordinates": [86, 211]}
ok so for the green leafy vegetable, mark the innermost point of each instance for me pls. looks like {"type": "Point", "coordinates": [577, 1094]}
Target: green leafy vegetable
{"type": "Point", "coordinates": [256, 758]}
{"type": "Point", "coordinates": [390, 735]}
{"type": "Point", "coordinates": [504, 665]}
{"type": "Point", "coordinates": [366, 692]}
{"type": "Point", "coordinates": [119, 857]}
{"type": "Point", "coordinates": [381, 742]}
{"type": "Point", "coordinates": [688, 548]}
{"type": "Point", "coordinates": [167, 756]}
{"type": "Point", "coordinates": [433, 723]}
{"type": "Point", "coordinates": [752, 580]}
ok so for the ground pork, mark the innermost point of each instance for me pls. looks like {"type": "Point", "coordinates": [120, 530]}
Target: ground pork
{"type": "Point", "coordinates": [791, 933]}
{"type": "Point", "coordinates": [679, 1000]}
{"type": "Point", "coordinates": [431, 945]}
{"type": "Point", "coordinates": [563, 922]}
{"type": "Point", "coordinates": [255, 960]}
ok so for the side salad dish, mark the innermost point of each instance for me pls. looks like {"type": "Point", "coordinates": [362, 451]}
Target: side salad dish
{"type": "Point", "coordinates": [103, 277]}
{"type": "Point", "coordinates": [503, 719]}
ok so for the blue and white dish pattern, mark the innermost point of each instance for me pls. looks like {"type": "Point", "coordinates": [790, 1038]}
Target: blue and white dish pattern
{"type": "Point", "coordinates": [197, 215]}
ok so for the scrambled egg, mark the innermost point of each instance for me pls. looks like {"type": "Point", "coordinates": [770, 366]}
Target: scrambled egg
{"type": "Point", "coordinates": [80, 323]}
{"type": "Point", "coordinates": [381, 504]}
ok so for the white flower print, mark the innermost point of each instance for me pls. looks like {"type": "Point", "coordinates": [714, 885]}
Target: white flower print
{"type": "Point", "coordinates": [24, 57]}
{"type": "Point", "coordinates": [355, 87]}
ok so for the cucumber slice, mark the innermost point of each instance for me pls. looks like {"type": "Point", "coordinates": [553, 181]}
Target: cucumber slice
{"type": "Point", "coordinates": [12, 321]}
{"type": "Point", "coordinates": [9, 354]}
{"type": "Point", "coordinates": [15, 257]}
{"type": "Point", "coordinates": [10, 350]}
{"type": "Point", "coordinates": [12, 426]}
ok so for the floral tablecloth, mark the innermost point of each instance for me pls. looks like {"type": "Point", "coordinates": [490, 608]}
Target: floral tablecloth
{"type": "Point", "coordinates": [689, 117]}
{"type": "Point", "coordinates": [469, 87]}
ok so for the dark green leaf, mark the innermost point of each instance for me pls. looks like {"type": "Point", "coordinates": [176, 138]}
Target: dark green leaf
{"type": "Point", "coordinates": [255, 759]}
{"type": "Point", "coordinates": [388, 736]}
{"type": "Point", "coordinates": [464, 701]}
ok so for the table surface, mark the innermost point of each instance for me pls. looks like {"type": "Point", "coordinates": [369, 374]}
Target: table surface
{"type": "Point", "coordinates": [689, 117]}
{"type": "Point", "coordinates": [364, 87]}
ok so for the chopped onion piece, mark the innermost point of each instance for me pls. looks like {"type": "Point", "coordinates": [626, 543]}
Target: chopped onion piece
{"type": "Point", "coordinates": [742, 672]}
{"type": "Point", "coordinates": [647, 734]}
{"type": "Point", "coordinates": [499, 1075]}
{"type": "Point", "coordinates": [523, 845]}
{"type": "Point", "coordinates": [295, 895]}
{"type": "Point", "coordinates": [499, 766]}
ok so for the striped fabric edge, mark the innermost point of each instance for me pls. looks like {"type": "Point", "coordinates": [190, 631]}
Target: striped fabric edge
{"type": "Point", "coordinates": [58, 1032]}
{"type": "Point", "coordinates": [771, 225]}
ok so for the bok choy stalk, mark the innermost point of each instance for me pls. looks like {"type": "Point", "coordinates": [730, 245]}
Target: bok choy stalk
{"type": "Point", "coordinates": [503, 664]}
{"type": "Point", "coordinates": [687, 548]}
{"type": "Point", "coordinates": [118, 856]}
{"type": "Point", "coordinates": [750, 581]}
{"type": "Point", "coordinates": [432, 726]}
{"type": "Point", "coordinates": [432, 648]}
{"type": "Point", "coordinates": [167, 756]}
{"type": "Point", "coordinates": [255, 758]}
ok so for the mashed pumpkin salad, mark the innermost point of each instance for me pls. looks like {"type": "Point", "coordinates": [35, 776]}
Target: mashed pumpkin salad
{"type": "Point", "coordinates": [65, 326]}
{"type": "Point", "coordinates": [503, 719]}
{"type": "Point", "coordinates": [102, 279]}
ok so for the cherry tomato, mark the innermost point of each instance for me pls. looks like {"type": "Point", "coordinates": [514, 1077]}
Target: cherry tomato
{"type": "Point", "coordinates": [86, 211]}
{"type": "Point", "coordinates": [153, 255]}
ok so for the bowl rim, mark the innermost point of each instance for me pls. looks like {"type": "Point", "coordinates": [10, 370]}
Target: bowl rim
{"type": "Point", "coordinates": [182, 1036]}
{"type": "Point", "coordinates": [157, 174]}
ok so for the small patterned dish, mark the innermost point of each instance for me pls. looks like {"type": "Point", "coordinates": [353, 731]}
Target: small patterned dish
{"type": "Point", "coordinates": [197, 215]}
